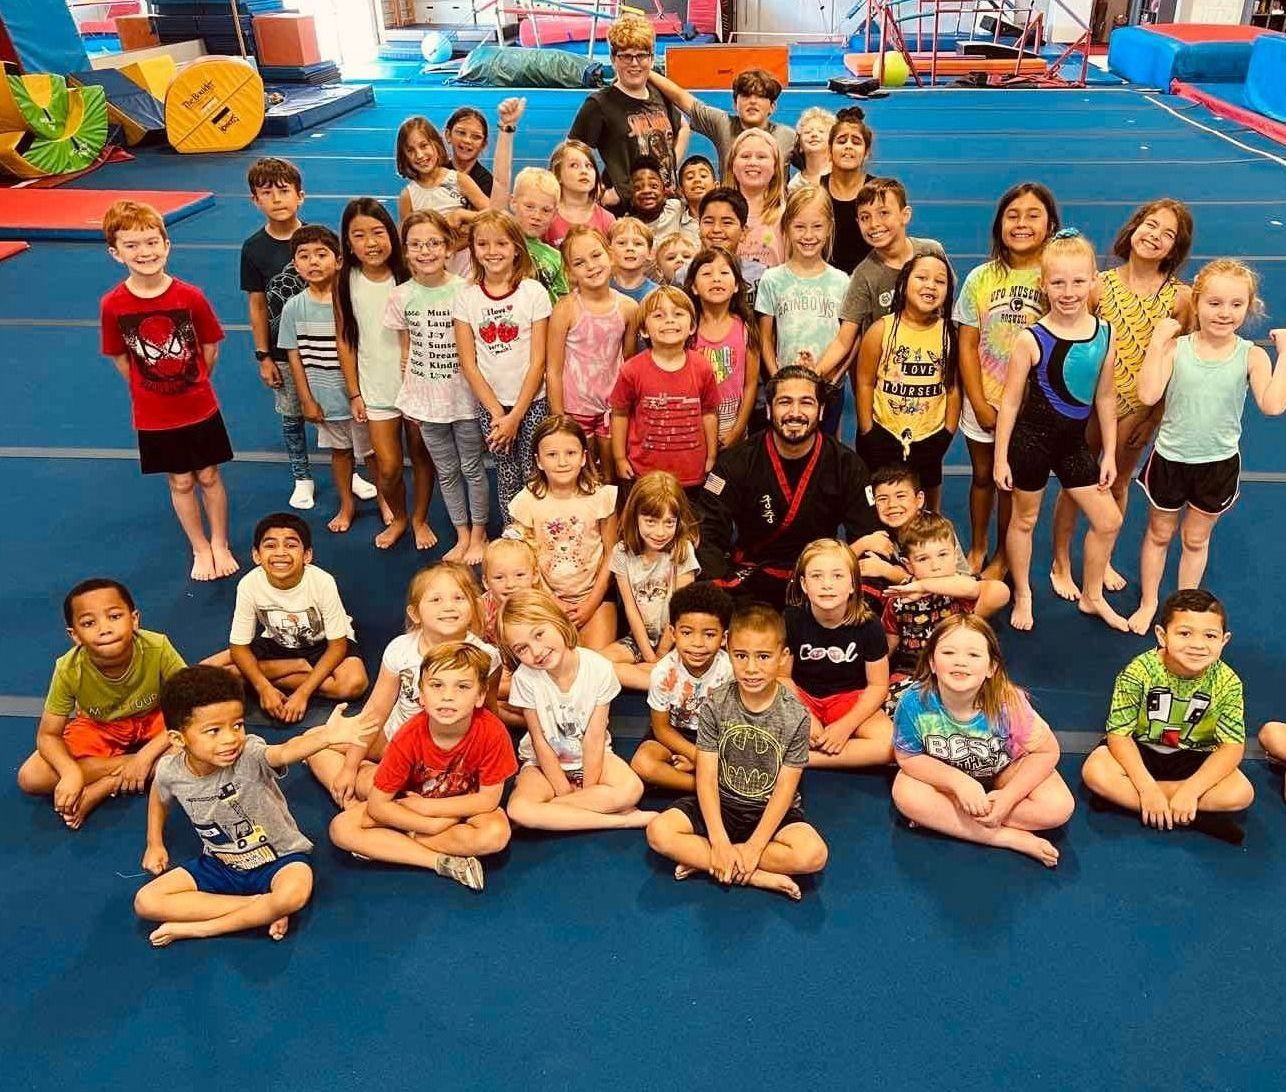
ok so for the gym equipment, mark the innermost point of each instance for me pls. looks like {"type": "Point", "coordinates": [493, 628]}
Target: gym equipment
{"type": "Point", "coordinates": [435, 47]}
{"type": "Point", "coordinates": [214, 104]}
{"type": "Point", "coordinates": [515, 66]}
{"type": "Point", "coordinates": [710, 67]}
{"type": "Point", "coordinates": [139, 113]}
{"type": "Point", "coordinates": [1193, 52]}
{"type": "Point", "coordinates": [48, 128]}
{"type": "Point", "coordinates": [9, 248]}
{"type": "Point", "coordinates": [894, 70]}
{"type": "Point", "coordinates": [307, 107]}
{"type": "Point", "coordinates": [1266, 77]}
{"type": "Point", "coordinates": [78, 214]}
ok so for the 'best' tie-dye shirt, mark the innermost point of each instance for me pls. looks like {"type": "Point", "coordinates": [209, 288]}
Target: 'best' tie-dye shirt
{"type": "Point", "coordinates": [978, 747]}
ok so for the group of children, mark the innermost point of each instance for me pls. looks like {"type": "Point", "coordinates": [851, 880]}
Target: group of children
{"type": "Point", "coordinates": [602, 360]}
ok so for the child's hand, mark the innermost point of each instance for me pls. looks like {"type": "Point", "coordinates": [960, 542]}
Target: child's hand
{"type": "Point", "coordinates": [1154, 808]}
{"type": "Point", "coordinates": [999, 805]}
{"type": "Point", "coordinates": [878, 543]}
{"type": "Point", "coordinates": [1278, 338]}
{"type": "Point", "coordinates": [815, 730]}
{"type": "Point", "coordinates": [805, 359]}
{"type": "Point", "coordinates": [832, 739]}
{"type": "Point", "coordinates": [561, 784]}
{"type": "Point", "coordinates": [1167, 329]}
{"type": "Point", "coordinates": [1002, 475]}
{"type": "Point", "coordinates": [1106, 471]}
{"type": "Point", "coordinates": [724, 861]}
{"type": "Point", "coordinates": [155, 860]}
{"type": "Point", "coordinates": [510, 110]}
{"type": "Point", "coordinates": [310, 410]}
{"type": "Point", "coordinates": [910, 590]}
{"type": "Point", "coordinates": [135, 772]}
{"type": "Point", "coordinates": [986, 416]}
{"type": "Point", "coordinates": [1183, 805]}
{"type": "Point", "coordinates": [294, 708]}
{"type": "Point", "coordinates": [624, 470]}
{"type": "Point", "coordinates": [68, 791]}
{"type": "Point", "coordinates": [341, 730]}
{"type": "Point", "coordinates": [748, 857]}
{"type": "Point", "coordinates": [610, 198]}
{"type": "Point", "coordinates": [358, 405]}
{"type": "Point", "coordinates": [682, 763]}
{"type": "Point", "coordinates": [969, 795]}
{"type": "Point", "coordinates": [272, 700]}
{"type": "Point", "coordinates": [503, 431]}
{"type": "Point", "coordinates": [343, 790]}
{"type": "Point", "coordinates": [270, 373]}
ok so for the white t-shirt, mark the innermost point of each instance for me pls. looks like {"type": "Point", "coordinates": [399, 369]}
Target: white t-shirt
{"type": "Point", "coordinates": [675, 690]}
{"type": "Point", "coordinates": [652, 584]}
{"type": "Point", "coordinates": [308, 614]}
{"type": "Point", "coordinates": [564, 715]}
{"type": "Point", "coordinates": [379, 352]}
{"type": "Point", "coordinates": [402, 657]}
{"type": "Point", "coordinates": [502, 334]}
{"type": "Point", "coordinates": [433, 387]}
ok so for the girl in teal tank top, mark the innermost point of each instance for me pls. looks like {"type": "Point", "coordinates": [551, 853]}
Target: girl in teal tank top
{"type": "Point", "coordinates": [1196, 462]}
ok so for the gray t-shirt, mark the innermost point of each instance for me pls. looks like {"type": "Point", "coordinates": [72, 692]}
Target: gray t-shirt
{"type": "Point", "coordinates": [723, 128]}
{"type": "Point", "coordinates": [752, 747]}
{"type": "Point", "coordinates": [870, 288]}
{"type": "Point", "coordinates": [239, 813]}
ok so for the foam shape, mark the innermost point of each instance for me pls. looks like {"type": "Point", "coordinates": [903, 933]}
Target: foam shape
{"type": "Point", "coordinates": [153, 74]}
{"type": "Point", "coordinates": [138, 113]}
{"type": "Point", "coordinates": [307, 107]}
{"type": "Point", "coordinates": [1194, 53]}
{"type": "Point", "coordinates": [214, 104]}
{"type": "Point", "coordinates": [52, 129]}
{"type": "Point", "coordinates": [66, 213]}
{"type": "Point", "coordinates": [136, 32]}
{"type": "Point", "coordinates": [9, 248]}
{"type": "Point", "coordinates": [38, 103]}
{"type": "Point", "coordinates": [716, 66]}
{"type": "Point", "coordinates": [1266, 77]}
{"type": "Point", "coordinates": [286, 40]}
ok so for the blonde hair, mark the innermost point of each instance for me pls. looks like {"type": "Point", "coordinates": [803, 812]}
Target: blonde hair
{"type": "Point", "coordinates": [816, 113]}
{"type": "Point", "coordinates": [560, 156]}
{"type": "Point", "coordinates": [457, 656]}
{"type": "Point", "coordinates": [630, 223]}
{"type": "Point", "coordinates": [999, 697]}
{"type": "Point", "coordinates": [668, 242]}
{"type": "Point", "coordinates": [857, 610]}
{"type": "Point", "coordinates": [462, 575]}
{"type": "Point", "coordinates": [1228, 267]}
{"type": "Point", "coordinates": [575, 235]}
{"type": "Point", "coordinates": [670, 292]}
{"type": "Point", "coordinates": [502, 545]}
{"type": "Point", "coordinates": [775, 194]}
{"type": "Point", "coordinates": [538, 179]}
{"type": "Point", "coordinates": [799, 199]}
{"type": "Point", "coordinates": [658, 494]}
{"type": "Point", "coordinates": [530, 608]}
{"type": "Point", "coordinates": [131, 216]}
{"type": "Point", "coordinates": [631, 32]}
{"type": "Point", "coordinates": [1068, 243]}
{"type": "Point", "coordinates": [559, 424]}
{"type": "Point", "coordinates": [524, 268]}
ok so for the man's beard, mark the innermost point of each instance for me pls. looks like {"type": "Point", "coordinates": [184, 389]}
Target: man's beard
{"type": "Point", "coordinates": [808, 432]}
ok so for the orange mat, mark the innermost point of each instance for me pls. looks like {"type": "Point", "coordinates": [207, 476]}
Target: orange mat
{"type": "Point", "coordinates": [9, 249]}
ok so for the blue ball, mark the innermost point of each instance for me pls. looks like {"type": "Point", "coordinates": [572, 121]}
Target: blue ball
{"type": "Point", "coordinates": [435, 47]}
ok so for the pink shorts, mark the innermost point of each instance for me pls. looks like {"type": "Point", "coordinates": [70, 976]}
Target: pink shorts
{"type": "Point", "coordinates": [829, 709]}
{"type": "Point", "coordinates": [594, 424]}
{"type": "Point", "coordinates": [87, 738]}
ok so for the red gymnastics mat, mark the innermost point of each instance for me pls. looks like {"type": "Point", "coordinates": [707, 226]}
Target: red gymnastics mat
{"type": "Point", "coordinates": [9, 249]}
{"type": "Point", "coordinates": [78, 214]}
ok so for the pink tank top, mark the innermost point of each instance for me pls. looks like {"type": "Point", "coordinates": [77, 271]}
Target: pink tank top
{"type": "Point", "coordinates": [727, 357]}
{"type": "Point", "coordinates": [592, 359]}
{"type": "Point", "coordinates": [558, 228]}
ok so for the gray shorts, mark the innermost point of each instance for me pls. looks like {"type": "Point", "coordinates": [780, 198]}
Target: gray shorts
{"type": "Point", "coordinates": [348, 435]}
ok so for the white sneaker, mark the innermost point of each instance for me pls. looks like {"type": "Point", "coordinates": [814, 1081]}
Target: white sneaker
{"type": "Point", "coordinates": [302, 497]}
{"type": "Point", "coordinates": [362, 489]}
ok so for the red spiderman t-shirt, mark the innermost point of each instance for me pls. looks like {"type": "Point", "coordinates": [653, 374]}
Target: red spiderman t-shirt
{"type": "Point", "coordinates": [412, 762]}
{"type": "Point", "coordinates": [169, 385]}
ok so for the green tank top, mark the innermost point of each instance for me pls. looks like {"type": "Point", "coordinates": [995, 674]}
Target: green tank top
{"type": "Point", "coordinates": [1204, 401]}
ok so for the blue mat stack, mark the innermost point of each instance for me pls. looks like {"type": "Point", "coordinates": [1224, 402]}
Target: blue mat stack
{"type": "Point", "coordinates": [211, 21]}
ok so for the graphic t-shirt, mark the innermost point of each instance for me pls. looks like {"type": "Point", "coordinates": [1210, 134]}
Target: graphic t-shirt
{"type": "Point", "coordinates": [910, 396]}
{"type": "Point", "coordinates": [912, 622]}
{"type": "Point", "coordinates": [414, 763]}
{"type": "Point", "coordinates": [869, 294]}
{"type": "Point", "coordinates": [652, 583]}
{"type": "Point", "coordinates": [268, 266]}
{"type": "Point", "coordinates": [403, 658]}
{"type": "Point", "coordinates": [565, 533]}
{"type": "Point", "coordinates": [433, 387]}
{"type": "Point", "coordinates": [549, 269]}
{"type": "Point", "coordinates": [301, 617]}
{"type": "Point", "coordinates": [978, 747]}
{"type": "Point", "coordinates": [831, 660]}
{"type": "Point", "coordinates": [502, 333]}
{"type": "Point", "coordinates": [161, 337]}
{"type": "Point", "coordinates": [806, 310]}
{"type": "Point", "coordinates": [239, 812]}
{"type": "Point", "coordinates": [665, 410]}
{"type": "Point", "coordinates": [761, 241]}
{"type": "Point", "coordinates": [379, 351]}
{"type": "Point", "coordinates": [752, 747]}
{"type": "Point", "coordinates": [564, 715]}
{"type": "Point", "coordinates": [621, 128]}
{"type": "Point", "coordinates": [1170, 713]}
{"type": "Point", "coordinates": [1001, 302]}
{"type": "Point", "coordinates": [308, 327]}
{"type": "Point", "coordinates": [727, 358]}
{"type": "Point", "coordinates": [675, 690]}
{"type": "Point", "coordinates": [78, 686]}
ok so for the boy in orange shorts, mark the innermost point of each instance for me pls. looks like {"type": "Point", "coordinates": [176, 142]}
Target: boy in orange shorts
{"type": "Point", "coordinates": [101, 731]}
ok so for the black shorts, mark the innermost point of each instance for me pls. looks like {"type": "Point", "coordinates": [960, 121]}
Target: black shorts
{"type": "Point", "coordinates": [1038, 446]}
{"type": "Point", "coordinates": [265, 648]}
{"type": "Point", "coordinates": [739, 822]}
{"type": "Point", "coordinates": [1210, 488]}
{"type": "Point", "coordinates": [1170, 765]}
{"type": "Point", "coordinates": [880, 448]}
{"type": "Point", "coordinates": [186, 449]}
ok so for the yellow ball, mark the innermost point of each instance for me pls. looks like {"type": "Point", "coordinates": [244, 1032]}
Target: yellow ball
{"type": "Point", "coordinates": [894, 71]}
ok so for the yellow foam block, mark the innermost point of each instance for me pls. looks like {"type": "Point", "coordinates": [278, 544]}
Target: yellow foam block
{"type": "Point", "coordinates": [153, 75]}
{"type": "Point", "coordinates": [214, 104]}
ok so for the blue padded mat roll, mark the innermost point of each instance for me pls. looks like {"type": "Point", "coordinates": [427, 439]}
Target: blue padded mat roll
{"type": "Point", "coordinates": [1266, 77]}
{"type": "Point", "coordinates": [1146, 57]}
{"type": "Point", "coordinates": [308, 107]}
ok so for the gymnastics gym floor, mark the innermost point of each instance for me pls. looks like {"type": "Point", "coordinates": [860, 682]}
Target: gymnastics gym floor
{"type": "Point", "coordinates": [1144, 962]}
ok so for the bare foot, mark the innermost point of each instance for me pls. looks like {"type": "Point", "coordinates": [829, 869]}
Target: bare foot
{"type": "Point", "coordinates": [1032, 845]}
{"type": "Point", "coordinates": [278, 928]}
{"type": "Point", "coordinates": [1020, 614]}
{"type": "Point", "coordinates": [477, 547]}
{"type": "Point", "coordinates": [340, 522]}
{"type": "Point", "coordinates": [169, 931]}
{"type": "Point", "coordinates": [425, 539]}
{"type": "Point", "coordinates": [224, 563]}
{"type": "Point", "coordinates": [976, 559]}
{"type": "Point", "coordinates": [638, 818]}
{"type": "Point", "coordinates": [386, 513]}
{"type": "Point", "coordinates": [202, 565]}
{"type": "Point", "coordinates": [1103, 609]}
{"type": "Point", "coordinates": [775, 881]}
{"type": "Point", "coordinates": [683, 872]}
{"type": "Point", "coordinates": [458, 551]}
{"type": "Point", "coordinates": [1112, 580]}
{"type": "Point", "coordinates": [1141, 620]}
{"type": "Point", "coordinates": [387, 537]}
{"type": "Point", "coordinates": [90, 798]}
{"type": "Point", "coordinates": [997, 569]}
{"type": "Point", "coordinates": [1064, 586]}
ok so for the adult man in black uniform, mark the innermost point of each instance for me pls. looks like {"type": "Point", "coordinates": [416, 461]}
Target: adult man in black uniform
{"type": "Point", "coordinates": [772, 494]}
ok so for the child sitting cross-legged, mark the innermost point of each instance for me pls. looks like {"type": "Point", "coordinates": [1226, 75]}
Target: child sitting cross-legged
{"type": "Point", "coordinates": [1176, 730]}
{"type": "Point", "coordinates": [253, 867]}
{"type": "Point", "coordinates": [976, 761]}
{"type": "Point", "coordinates": [435, 800]}
{"type": "Point", "coordinates": [682, 681]}
{"type": "Point", "coordinates": [745, 825]}
{"type": "Point", "coordinates": [101, 731]}
{"type": "Point", "coordinates": [291, 637]}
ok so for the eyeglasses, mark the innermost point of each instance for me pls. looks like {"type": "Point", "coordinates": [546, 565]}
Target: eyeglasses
{"type": "Point", "coordinates": [633, 58]}
{"type": "Point", "coordinates": [417, 245]}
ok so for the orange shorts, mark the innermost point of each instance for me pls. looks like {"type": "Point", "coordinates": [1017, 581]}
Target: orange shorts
{"type": "Point", "coordinates": [830, 708]}
{"type": "Point", "coordinates": [86, 738]}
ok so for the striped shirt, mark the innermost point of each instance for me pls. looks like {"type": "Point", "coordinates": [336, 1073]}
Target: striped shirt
{"type": "Point", "coordinates": [308, 327]}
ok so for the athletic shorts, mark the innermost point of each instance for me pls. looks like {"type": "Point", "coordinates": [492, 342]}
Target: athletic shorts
{"type": "Point", "coordinates": [1039, 445]}
{"type": "Point", "coordinates": [970, 427]}
{"type": "Point", "coordinates": [738, 821]}
{"type": "Point", "coordinates": [594, 424]}
{"type": "Point", "coordinates": [215, 878]}
{"type": "Point", "coordinates": [830, 708]}
{"type": "Point", "coordinates": [186, 449]}
{"type": "Point", "coordinates": [346, 435]}
{"type": "Point", "coordinates": [265, 648]}
{"type": "Point", "coordinates": [880, 448]}
{"type": "Point", "coordinates": [390, 414]}
{"type": "Point", "coordinates": [632, 647]}
{"type": "Point", "coordinates": [1210, 488]}
{"type": "Point", "coordinates": [86, 738]}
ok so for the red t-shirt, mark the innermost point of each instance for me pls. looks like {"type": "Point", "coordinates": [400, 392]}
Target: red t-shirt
{"type": "Point", "coordinates": [162, 337]}
{"type": "Point", "coordinates": [665, 411]}
{"type": "Point", "coordinates": [412, 762]}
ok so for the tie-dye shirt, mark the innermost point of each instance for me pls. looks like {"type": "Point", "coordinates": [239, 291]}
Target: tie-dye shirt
{"type": "Point", "coordinates": [978, 747]}
{"type": "Point", "coordinates": [1000, 302]}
